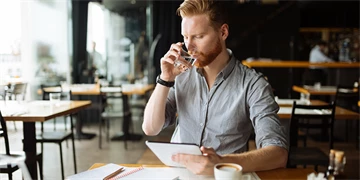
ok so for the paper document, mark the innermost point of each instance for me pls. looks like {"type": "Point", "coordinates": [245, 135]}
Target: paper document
{"type": "Point", "coordinates": [148, 173]}
{"type": "Point", "coordinates": [96, 174]}
{"type": "Point", "coordinates": [170, 173]}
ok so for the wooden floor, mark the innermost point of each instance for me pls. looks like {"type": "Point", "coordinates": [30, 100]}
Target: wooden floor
{"type": "Point", "coordinates": [88, 153]}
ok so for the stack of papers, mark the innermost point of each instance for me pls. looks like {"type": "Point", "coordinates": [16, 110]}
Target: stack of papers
{"type": "Point", "coordinates": [156, 173]}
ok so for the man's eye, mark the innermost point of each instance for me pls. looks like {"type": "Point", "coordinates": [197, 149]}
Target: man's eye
{"type": "Point", "coordinates": [198, 37]}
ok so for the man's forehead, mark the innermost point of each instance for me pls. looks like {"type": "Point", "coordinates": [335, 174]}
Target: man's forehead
{"type": "Point", "coordinates": [195, 24]}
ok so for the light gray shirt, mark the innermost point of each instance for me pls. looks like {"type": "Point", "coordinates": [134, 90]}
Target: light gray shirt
{"type": "Point", "coordinates": [316, 56]}
{"type": "Point", "coordinates": [224, 116]}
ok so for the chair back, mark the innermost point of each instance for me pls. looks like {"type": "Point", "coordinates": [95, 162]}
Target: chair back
{"type": "Point", "coordinates": [3, 133]}
{"type": "Point", "coordinates": [65, 95]}
{"type": "Point", "coordinates": [17, 89]}
{"type": "Point", "coordinates": [347, 97]}
{"type": "Point", "coordinates": [46, 94]}
{"type": "Point", "coordinates": [312, 117]}
{"type": "Point", "coordinates": [3, 91]}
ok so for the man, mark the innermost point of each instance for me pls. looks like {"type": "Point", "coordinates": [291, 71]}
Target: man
{"type": "Point", "coordinates": [95, 66]}
{"type": "Point", "coordinates": [316, 74]}
{"type": "Point", "coordinates": [317, 54]}
{"type": "Point", "coordinates": [217, 102]}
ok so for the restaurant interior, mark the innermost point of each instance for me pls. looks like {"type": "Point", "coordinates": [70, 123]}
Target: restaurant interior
{"type": "Point", "coordinates": [101, 58]}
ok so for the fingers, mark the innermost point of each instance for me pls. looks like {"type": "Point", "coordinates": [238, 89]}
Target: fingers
{"type": "Point", "coordinates": [195, 163]}
{"type": "Point", "coordinates": [171, 64]}
{"type": "Point", "coordinates": [173, 53]}
{"type": "Point", "coordinates": [207, 151]}
{"type": "Point", "coordinates": [185, 159]}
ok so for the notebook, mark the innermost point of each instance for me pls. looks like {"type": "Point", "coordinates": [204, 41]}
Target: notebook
{"type": "Point", "coordinates": [107, 172]}
{"type": "Point", "coordinates": [145, 173]}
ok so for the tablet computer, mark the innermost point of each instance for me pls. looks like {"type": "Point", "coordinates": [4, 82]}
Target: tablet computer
{"type": "Point", "coordinates": [164, 151]}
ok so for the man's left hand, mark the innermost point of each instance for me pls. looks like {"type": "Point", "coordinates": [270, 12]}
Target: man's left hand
{"type": "Point", "coordinates": [199, 164]}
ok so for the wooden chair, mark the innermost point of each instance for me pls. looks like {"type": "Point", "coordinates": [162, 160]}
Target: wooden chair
{"type": "Point", "coordinates": [58, 137]}
{"type": "Point", "coordinates": [3, 91]}
{"type": "Point", "coordinates": [46, 96]}
{"type": "Point", "coordinates": [324, 115]}
{"type": "Point", "coordinates": [10, 168]}
{"type": "Point", "coordinates": [17, 91]}
{"type": "Point", "coordinates": [139, 103]}
{"type": "Point", "coordinates": [109, 114]}
{"type": "Point", "coordinates": [347, 97]}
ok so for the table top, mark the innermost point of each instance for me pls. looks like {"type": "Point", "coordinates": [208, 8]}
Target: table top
{"type": "Point", "coordinates": [340, 113]}
{"type": "Point", "coordinates": [283, 173]}
{"type": "Point", "coordinates": [94, 89]}
{"type": "Point", "coordinates": [298, 64]}
{"type": "Point", "coordinates": [323, 90]}
{"type": "Point", "coordinates": [39, 111]}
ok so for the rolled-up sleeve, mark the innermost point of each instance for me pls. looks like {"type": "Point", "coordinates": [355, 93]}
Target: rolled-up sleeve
{"type": "Point", "coordinates": [263, 113]}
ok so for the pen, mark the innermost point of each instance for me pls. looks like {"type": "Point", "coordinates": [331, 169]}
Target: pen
{"type": "Point", "coordinates": [176, 178]}
{"type": "Point", "coordinates": [114, 173]}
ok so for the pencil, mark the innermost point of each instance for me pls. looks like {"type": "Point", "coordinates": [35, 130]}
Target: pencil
{"type": "Point", "coordinates": [115, 173]}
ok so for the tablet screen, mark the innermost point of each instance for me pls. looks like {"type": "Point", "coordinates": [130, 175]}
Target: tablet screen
{"type": "Point", "coordinates": [164, 151]}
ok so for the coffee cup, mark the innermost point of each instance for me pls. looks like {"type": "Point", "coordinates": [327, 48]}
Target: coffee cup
{"type": "Point", "coordinates": [227, 171]}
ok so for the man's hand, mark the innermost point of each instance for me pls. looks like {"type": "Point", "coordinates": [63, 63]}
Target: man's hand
{"type": "Point", "coordinates": [199, 164]}
{"type": "Point", "coordinates": [168, 70]}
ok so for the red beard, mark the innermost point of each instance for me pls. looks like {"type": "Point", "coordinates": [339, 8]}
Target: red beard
{"type": "Point", "coordinates": [205, 59]}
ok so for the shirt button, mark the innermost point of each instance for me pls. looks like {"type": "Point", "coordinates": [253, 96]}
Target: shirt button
{"type": "Point", "coordinates": [215, 84]}
{"type": "Point", "coordinates": [201, 124]}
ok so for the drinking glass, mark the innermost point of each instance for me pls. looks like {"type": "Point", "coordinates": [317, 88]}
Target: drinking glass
{"type": "Point", "coordinates": [187, 57]}
{"type": "Point", "coordinates": [54, 97]}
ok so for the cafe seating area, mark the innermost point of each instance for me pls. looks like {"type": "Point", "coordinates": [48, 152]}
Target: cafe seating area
{"type": "Point", "coordinates": [76, 75]}
{"type": "Point", "coordinates": [137, 152]}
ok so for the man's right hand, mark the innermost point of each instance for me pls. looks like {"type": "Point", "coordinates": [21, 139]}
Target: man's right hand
{"type": "Point", "coordinates": [168, 70]}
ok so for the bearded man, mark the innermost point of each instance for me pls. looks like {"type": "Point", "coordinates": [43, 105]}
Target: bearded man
{"type": "Point", "coordinates": [217, 103]}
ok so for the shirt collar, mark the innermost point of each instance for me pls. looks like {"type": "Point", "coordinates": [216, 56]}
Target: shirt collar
{"type": "Point", "coordinates": [224, 73]}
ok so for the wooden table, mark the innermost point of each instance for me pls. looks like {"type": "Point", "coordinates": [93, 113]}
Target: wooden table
{"type": "Point", "coordinates": [311, 90]}
{"type": "Point", "coordinates": [290, 64]}
{"type": "Point", "coordinates": [37, 111]}
{"type": "Point", "coordinates": [298, 64]}
{"type": "Point", "coordinates": [270, 174]}
{"type": "Point", "coordinates": [95, 90]}
{"type": "Point", "coordinates": [340, 113]}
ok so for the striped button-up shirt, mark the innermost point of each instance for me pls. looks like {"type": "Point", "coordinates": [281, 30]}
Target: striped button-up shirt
{"type": "Point", "coordinates": [224, 116]}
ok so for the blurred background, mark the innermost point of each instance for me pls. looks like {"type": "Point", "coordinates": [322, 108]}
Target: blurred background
{"type": "Point", "coordinates": [46, 42]}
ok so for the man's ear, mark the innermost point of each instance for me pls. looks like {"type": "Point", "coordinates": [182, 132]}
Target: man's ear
{"type": "Point", "coordinates": [224, 31]}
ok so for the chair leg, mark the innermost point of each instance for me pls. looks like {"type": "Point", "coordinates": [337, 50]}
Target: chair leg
{"type": "Point", "coordinates": [40, 162]}
{"type": "Point", "coordinates": [107, 130]}
{"type": "Point", "coordinates": [347, 131]}
{"type": "Point", "coordinates": [65, 122]}
{"type": "Point", "coordinates": [100, 126]}
{"type": "Point", "coordinates": [357, 138]}
{"type": "Point", "coordinates": [15, 126]}
{"type": "Point", "coordinates": [54, 124]}
{"type": "Point", "coordinates": [67, 144]}
{"type": "Point", "coordinates": [125, 141]}
{"type": "Point", "coordinates": [74, 154]}
{"type": "Point", "coordinates": [62, 162]}
{"type": "Point", "coordinates": [10, 176]}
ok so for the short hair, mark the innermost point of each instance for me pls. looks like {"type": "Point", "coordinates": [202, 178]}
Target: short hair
{"type": "Point", "coordinates": [322, 43]}
{"type": "Point", "coordinates": [215, 9]}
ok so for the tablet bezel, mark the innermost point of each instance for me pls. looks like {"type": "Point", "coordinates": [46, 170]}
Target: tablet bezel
{"type": "Point", "coordinates": [164, 151]}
